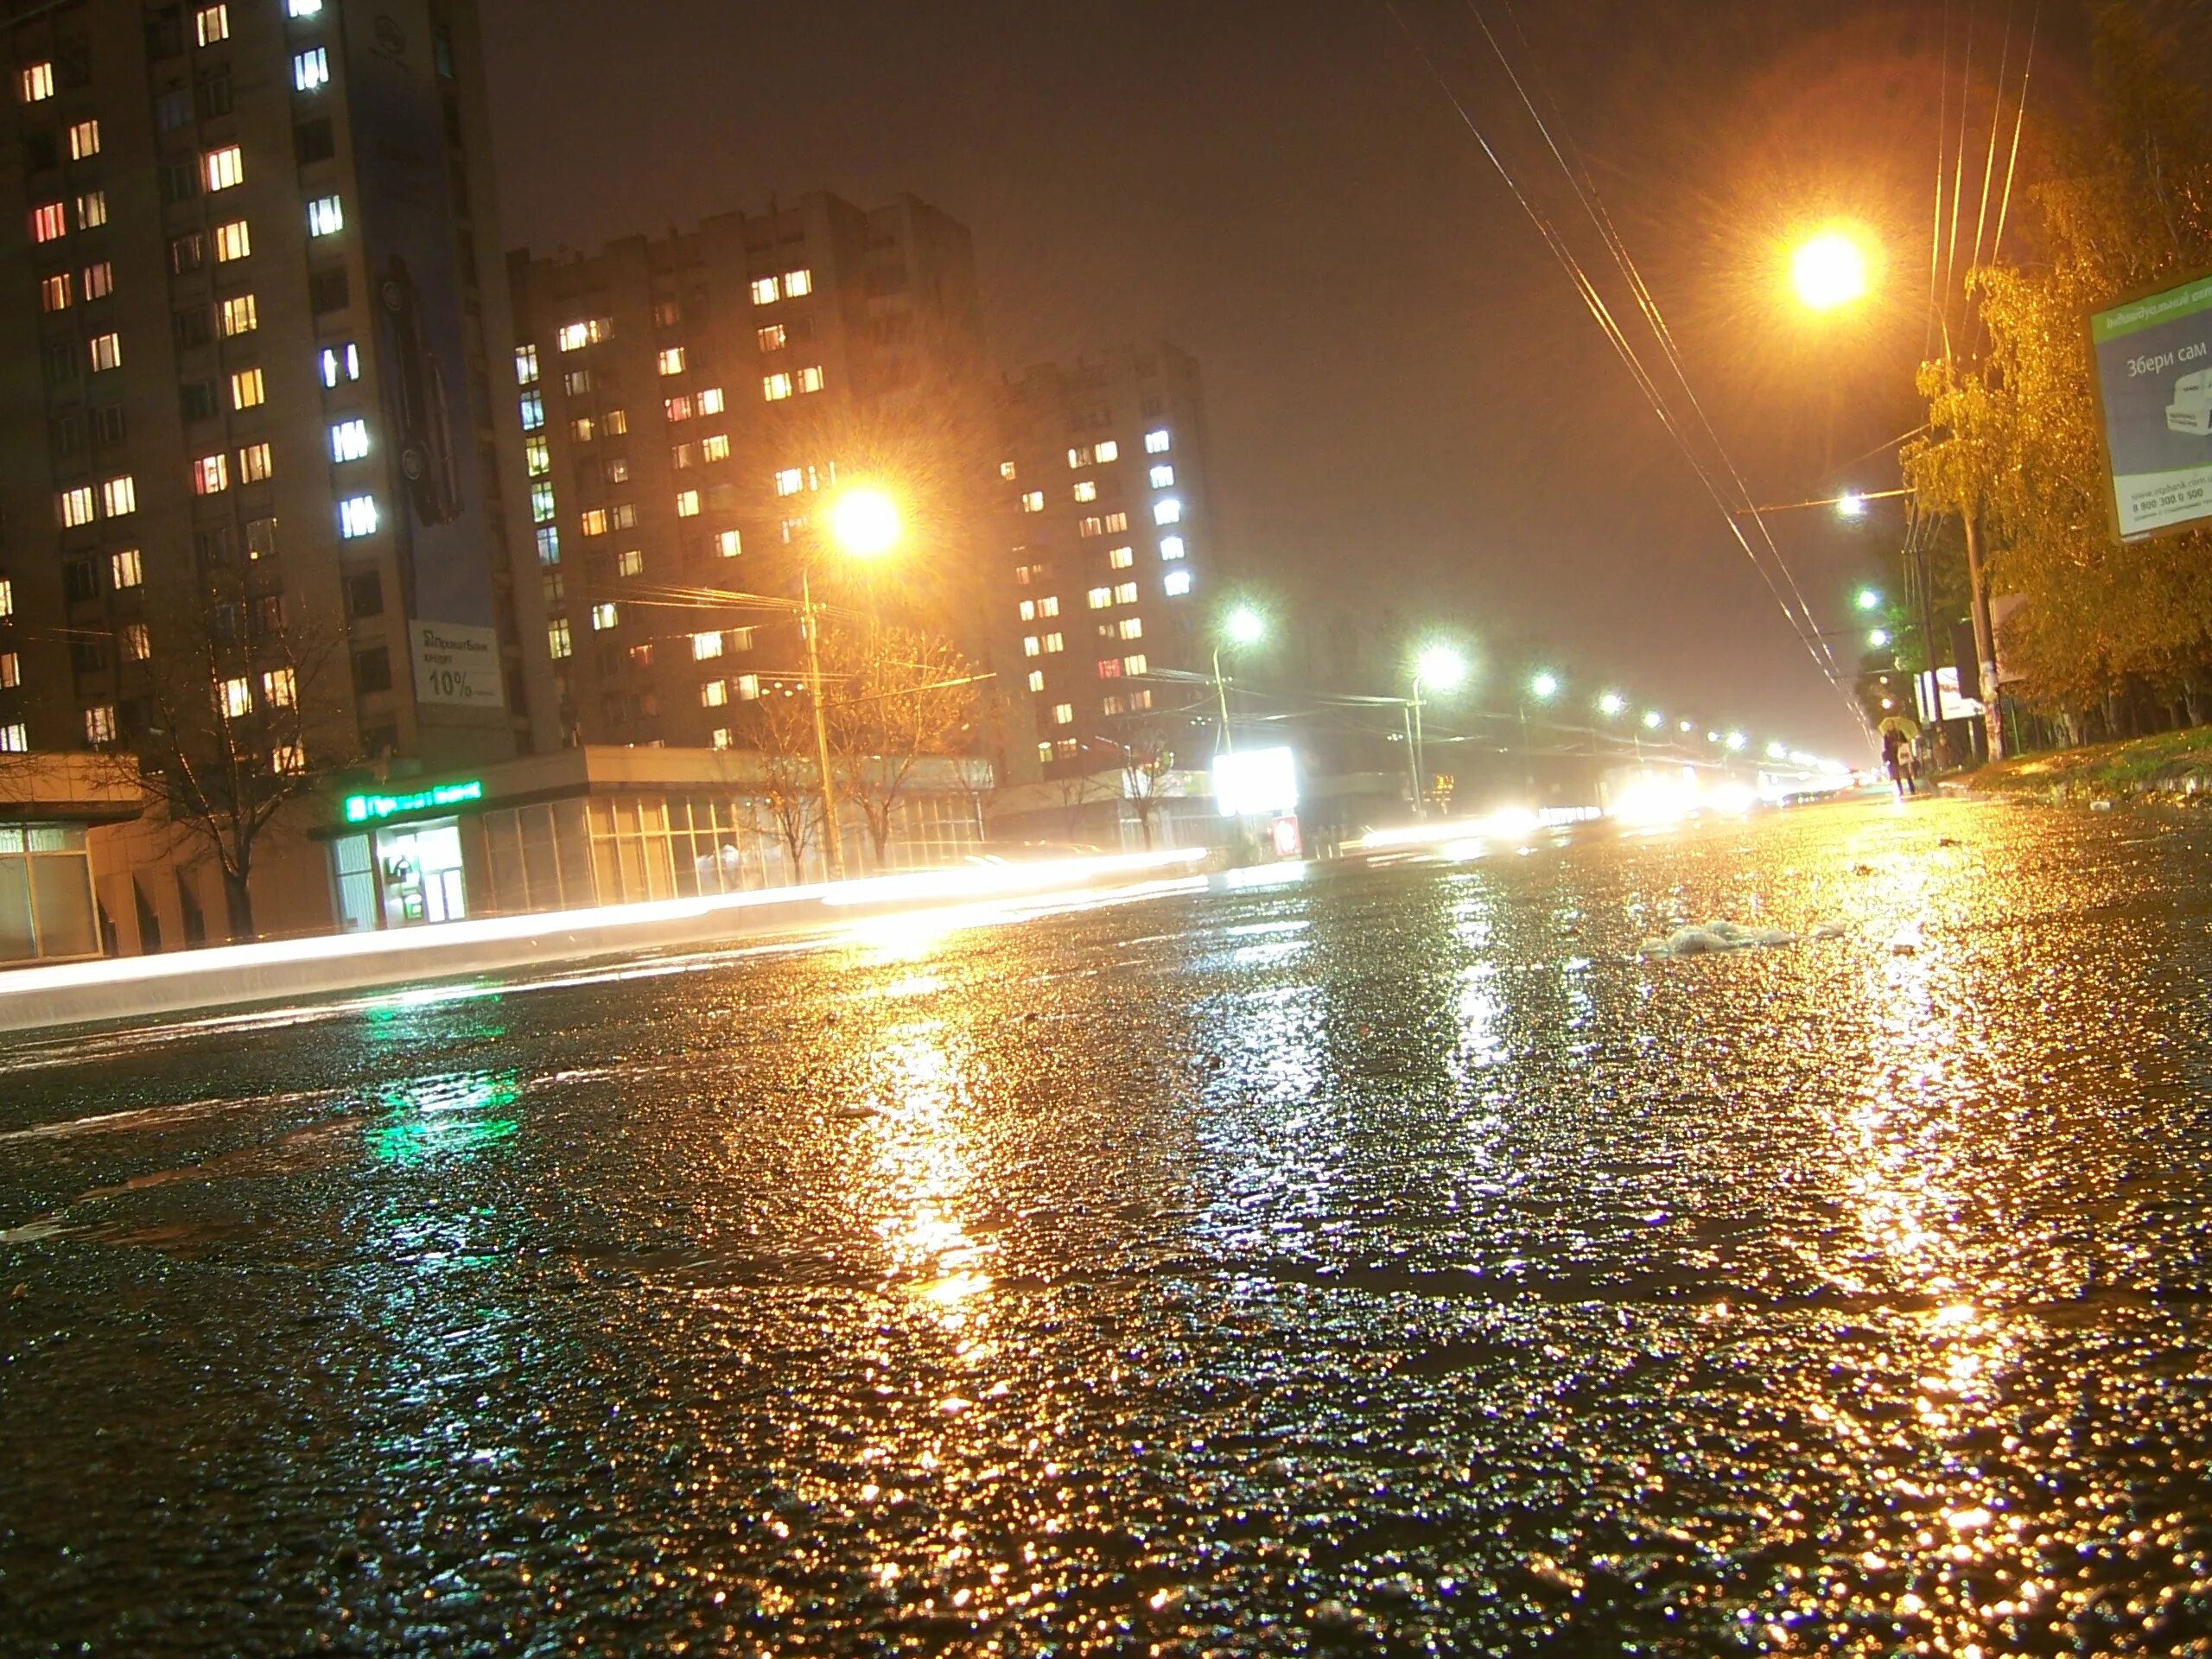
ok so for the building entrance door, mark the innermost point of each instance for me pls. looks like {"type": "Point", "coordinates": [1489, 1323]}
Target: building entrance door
{"type": "Point", "coordinates": [419, 872]}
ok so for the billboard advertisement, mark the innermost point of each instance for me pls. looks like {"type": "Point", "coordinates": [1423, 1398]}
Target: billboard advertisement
{"type": "Point", "coordinates": [1256, 783]}
{"type": "Point", "coordinates": [2152, 359]}
{"type": "Point", "coordinates": [411, 252]}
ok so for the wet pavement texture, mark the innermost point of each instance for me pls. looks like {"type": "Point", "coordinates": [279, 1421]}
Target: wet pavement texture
{"type": "Point", "coordinates": [1388, 1262]}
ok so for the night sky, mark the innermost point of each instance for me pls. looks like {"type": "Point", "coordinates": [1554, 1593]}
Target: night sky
{"type": "Point", "coordinates": [1409, 404]}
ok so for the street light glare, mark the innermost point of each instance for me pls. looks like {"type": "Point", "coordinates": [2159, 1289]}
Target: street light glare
{"type": "Point", "coordinates": [1829, 270]}
{"type": "Point", "coordinates": [1611, 703]}
{"type": "Point", "coordinates": [1245, 626]}
{"type": "Point", "coordinates": [1543, 685]}
{"type": "Point", "coordinates": [1439, 668]}
{"type": "Point", "coordinates": [1735, 740]}
{"type": "Point", "coordinates": [1851, 504]}
{"type": "Point", "coordinates": [865, 523]}
{"type": "Point", "coordinates": [1653, 720]}
{"type": "Point", "coordinates": [1869, 600]}
{"type": "Point", "coordinates": [1879, 637]}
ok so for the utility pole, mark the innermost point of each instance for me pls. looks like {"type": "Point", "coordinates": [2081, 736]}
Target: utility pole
{"type": "Point", "coordinates": [832, 842]}
{"type": "Point", "coordinates": [1228, 743]}
{"type": "Point", "coordinates": [1985, 639]}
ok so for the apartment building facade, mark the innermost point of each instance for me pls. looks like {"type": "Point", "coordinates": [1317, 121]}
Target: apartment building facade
{"type": "Point", "coordinates": [691, 404]}
{"type": "Point", "coordinates": [248, 429]}
{"type": "Point", "coordinates": [1109, 554]}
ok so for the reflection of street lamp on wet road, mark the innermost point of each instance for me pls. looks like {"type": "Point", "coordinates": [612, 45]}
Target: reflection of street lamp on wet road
{"type": "Point", "coordinates": [863, 524]}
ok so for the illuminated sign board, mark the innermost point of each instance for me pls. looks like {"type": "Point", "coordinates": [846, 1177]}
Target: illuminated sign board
{"type": "Point", "coordinates": [375, 808]}
{"type": "Point", "coordinates": [1256, 783]}
{"type": "Point", "coordinates": [2154, 361]}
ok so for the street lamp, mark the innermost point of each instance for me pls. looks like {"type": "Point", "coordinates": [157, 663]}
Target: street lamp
{"type": "Point", "coordinates": [1653, 720]}
{"type": "Point", "coordinates": [1878, 637]}
{"type": "Point", "coordinates": [1851, 504]}
{"type": "Point", "coordinates": [1829, 270]}
{"type": "Point", "coordinates": [1868, 599]}
{"type": "Point", "coordinates": [1610, 704]}
{"type": "Point", "coordinates": [864, 524]}
{"type": "Point", "coordinates": [1439, 668]}
{"type": "Point", "coordinates": [1735, 740]}
{"type": "Point", "coordinates": [1242, 627]}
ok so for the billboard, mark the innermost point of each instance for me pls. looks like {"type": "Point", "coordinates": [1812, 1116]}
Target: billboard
{"type": "Point", "coordinates": [1256, 783]}
{"type": "Point", "coordinates": [2152, 362]}
{"type": "Point", "coordinates": [409, 247]}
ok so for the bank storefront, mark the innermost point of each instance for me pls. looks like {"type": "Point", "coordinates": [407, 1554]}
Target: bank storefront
{"type": "Point", "coordinates": [605, 826]}
{"type": "Point", "coordinates": [48, 806]}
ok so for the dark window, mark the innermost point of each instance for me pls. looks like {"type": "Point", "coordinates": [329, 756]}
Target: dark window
{"type": "Point", "coordinates": [136, 716]}
{"type": "Point", "coordinates": [1153, 406]}
{"type": "Point", "coordinates": [87, 656]}
{"type": "Point", "coordinates": [187, 253]}
{"type": "Point", "coordinates": [378, 742]}
{"type": "Point", "coordinates": [198, 399]}
{"type": "Point", "coordinates": [40, 152]}
{"type": "Point", "coordinates": [194, 327]}
{"type": "Point", "coordinates": [442, 50]}
{"type": "Point", "coordinates": [106, 423]}
{"type": "Point", "coordinates": [165, 31]}
{"type": "Point", "coordinates": [372, 670]}
{"type": "Point", "coordinates": [261, 538]}
{"type": "Point", "coordinates": [72, 64]}
{"type": "Point", "coordinates": [365, 593]}
{"type": "Point", "coordinates": [223, 621]}
{"type": "Point", "coordinates": [314, 141]}
{"type": "Point", "coordinates": [328, 291]}
{"type": "Point", "coordinates": [78, 581]}
{"type": "Point", "coordinates": [172, 109]}
{"type": "Point", "coordinates": [180, 181]}
{"type": "Point", "coordinates": [58, 359]}
{"type": "Point", "coordinates": [215, 93]}
{"type": "Point", "coordinates": [214, 546]}
{"type": "Point", "coordinates": [66, 433]}
{"type": "Point", "coordinates": [268, 615]}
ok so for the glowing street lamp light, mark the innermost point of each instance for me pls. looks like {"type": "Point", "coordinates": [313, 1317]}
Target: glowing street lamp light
{"type": "Point", "coordinates": [1735, 741]}
{"type": "Point", "coordinates": [1543, 685]}
{"type": "Point", "coordinates": [1777, 751]}
{"type": "Point", "coordinates": [1829, 270]}
{"type": "Point", "coordinates": [1868, 598]}
{"type": "Point", "coordinates": [1437, 668]}
{"type": "Point", "coordinates": [864, 522]}
{"type": "Point", "coordinates": [1242, 627]}
{"type": "Point", "coordinates": [1684, 728]}
{"type": "Point", "coordinates": [1653, 720]}
{"type": "Point", "coordinates": [1878, 637]}
{"type": "Point", "coordinates": [1851, 504]}
{"type": "Point", "coordinates": [1610, 704]}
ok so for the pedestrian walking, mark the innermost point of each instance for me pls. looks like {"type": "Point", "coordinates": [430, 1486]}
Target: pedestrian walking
{"type": "Point", "coordinates": [1893, 752]}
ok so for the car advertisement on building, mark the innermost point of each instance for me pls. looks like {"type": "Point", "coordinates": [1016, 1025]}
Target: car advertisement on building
{"type": "Point", "coordinates": [408, 245]}
{"type": "Point", "coordinates": [2152, 357]}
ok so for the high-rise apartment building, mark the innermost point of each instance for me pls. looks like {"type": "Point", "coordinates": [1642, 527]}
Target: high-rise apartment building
{"type": "Point", "coordinates": [255, 269]}
{"type": "Point", "coordinates": [247, 432]}
{"type": "Point", "coordinates": [1109, 551]}
{"type": "Point", "coordinates": [690, 404]}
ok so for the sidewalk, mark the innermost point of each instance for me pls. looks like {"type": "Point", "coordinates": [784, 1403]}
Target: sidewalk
{"type": "Point", "coordinates": [136, 987]}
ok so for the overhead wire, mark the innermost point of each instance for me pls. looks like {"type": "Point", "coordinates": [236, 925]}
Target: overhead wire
{"type": "Point", "coordinates": [2019, 120]}
{"type": "Point", "coordinates": [1996, 125]}
{"type": "Point", "coordinates": [1958, 173]}
{"type": "Point", "coordinates": [1943, 155]}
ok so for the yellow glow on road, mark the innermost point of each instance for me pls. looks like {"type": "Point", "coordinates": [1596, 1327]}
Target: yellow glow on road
{"type": "Point", "coordinates": [1830, 269]}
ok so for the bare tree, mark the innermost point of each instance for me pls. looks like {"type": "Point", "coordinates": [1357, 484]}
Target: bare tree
{"type": "Point", "coordinates": [780, 726]}
{"type": "Point", "coordinates": [241, 714]}
{"type": "Point", "coordinates": [1147, 764]}
{"type": "Point", "coordinates": [893, 696]}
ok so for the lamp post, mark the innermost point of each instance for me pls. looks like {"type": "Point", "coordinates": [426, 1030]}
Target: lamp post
{"type": "Point", "coordinates": [864, 525]}
{"type": "Point", "coordinates": [1442, 669]}
{"type": "Point", "coordinates": [1243, 626]}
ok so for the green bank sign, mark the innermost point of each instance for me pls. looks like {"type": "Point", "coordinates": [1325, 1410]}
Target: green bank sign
{"type": "Point", "coordinates": [375, 808]}
{"type": "Point", "coordinates": [2154, 361]}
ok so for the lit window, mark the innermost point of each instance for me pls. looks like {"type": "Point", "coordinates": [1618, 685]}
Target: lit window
{"type": "Point", "coordinates": [542, 507]}
{"type": "Point", "coordinates": [302, 8]}
{"type": "Point", "coordinates": [349, 439]}
{"type": "Point", "coordinates": [1099, 598]}
{"type": "Point", "coordinates": [1163, 477]}
{"type": "Point", "coordinates": [575, 336]}
{"type": "Point", "coordinates": [748, 689]}
{"type": "Point", "coordinates": [604, 615]}
{"type": "Point", "coordinates": [1140, 698]}
{"type": "Point", "coordinates": [576, 382]}
{"type": "Point", "coordinates": [213, 23]}
{"type": "Point", "coordinates": [671, 359]}
{"type": "Point", "coordinates": [1125, 593]}
{"type": "Point", "coordinates": [617, 469]}
{"type": "Point", "coordinates": [1080, 456]}
{"type": "Point", "coordinates": [1167, 510]}
{"type": "Point", "coordinates": [1033, 501]}
{"type": "Point", "coordinates": [211, 475]}
{"type": "Point", "coordinates": [687, 503]}
{"type": "Point", "coordinates": [1117, 522]}
{"type": "Point", "coordinates": [1049, 605]}
{"type": "Point", "coordinates": [280, 688]}
{"type": "Point", "coordinates": [106, 352]}
{"type": "Point", "coordinates": [74, 506]}
{"type": "Point", "coordinates": [126, 567]}
{"type": "Point", "coordinates": [810, 378]}
{"type": "Point", "coordinates": [678, 409]}
{"type": "Point", "coordinates": [357, 515]}
{"type": "Point", "coordinates": [246, 389]}
{"type": "Point", "coordinates": [38, 82]}
{"type": "Point", "coordinates": [631, 562]}
{"type": "Point", "coordinates": [556, 638]}
{"type": "Point", "coordinates": [221, 168]}
{"type": "Point", "coordinates": [11, 670]}
{"type": "Point", "coordinates": [53, 292]}
{"type": "Point", "coordinates": [1006, 469]}
{"type": "Point", "coordinates": [1086, 491]}
{"type": "Point", "coordinates": [7, 597]}
{"type": "Point", "coordinates": [791, 480]}
{"type": "Point", "coordinates": [1171, 548]}
{"type": "Point", "coordinates": [91, 210]}
{"type": "Point", "coordinates": [239, 316]}
{"type": "Point", "coordinates": [1030, 647]}
{"type": "Point", "coordinates": [1133, 664]}
{"type": "Point", "coordinates": [233, 241]}
{"type": "Point", "coordinates": [234, 696]}
{"type": "Point", "coordinates": [614, 422]}
{"type": "Point", "coordinates": [536, 457]}
{"type": "Point", "coordinates": [764, 287]}
{"type": "Point", "coordinates": [1131, 627]}
{"type": "Point", "coordinates": [100, 723]}
{"type": "Point", "coordinates": [50, 221]}
{"type": "Point", "coordinates": [582, 428]}
{"type": "Point", "coordinates": [287, 760]}
{"type": "Point", "coordinates": [719, 738]}
{"type": "Point", "coordinates": [1090, 525]}
{"type": "Point", "coordinates": [715, 447]}
{"type": "Point", "coordinates": [706, 646]}
{"type": "Point", "coordinates": [84, 140]}
{"type": "Point", "coordinates": [1111, 705]}
{"type": "Point", "coordinates": [1155, 441]}
{"type": "Point", "coordinates": [1063, 714]}
{"type": "Point", "coordinates": [99, 280]}
{"type": "Point", "coordinates": [1109, 668]}
{"type": "Point", "coordinates": [525, 366]}
{"type": "Point", "coordinates": [1121, 558]}
{"type": "Point", "coordinates": [1053, 642]}
{"type": "Point", "coordinates": [710, 401]}
{"type": "Point", "coordinates": [1036, 677]}
{"type": "Point", "coordinates": [714, 694]}
{"type": "Point", "coordinates": [1106, 450]}
{"type": "Point", "coordinates": [119, 496]}
{"type": "Point", "coordinates": [771, 337]}
{"type": "Point", "coordinates": [310, 69]}
{"type": "Point", "coordinates": [137, 644]}
{"type": "Point", "coordinates": [594, 522]}
{"type": "Point", "coordinates": [775, 387]}
{"type": "Point", "coordinates": [343, 363]}
{"type": "Point", "coordinates": [1028, 610]}
{"type": "Point", "coordinates": [327, 216]}
{"type": "Point", "coordinates": [1043, 754]}
{"type": "Point", "coordinates": [548, 545]}
{"type": "Point", "coordinates": [533, 405]}
{"type": "Point", "coordinates": [798, 284]}
{"type": "Point", "coordinates": [728, 544]}
{"type": "Point", "coordinates": [681, 455]}
{"type": "Point", "coordinates": [1176, 583]}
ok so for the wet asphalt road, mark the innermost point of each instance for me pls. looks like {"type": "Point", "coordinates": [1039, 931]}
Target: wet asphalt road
{"type": "Point", "coordinates": [1386, 1263]}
